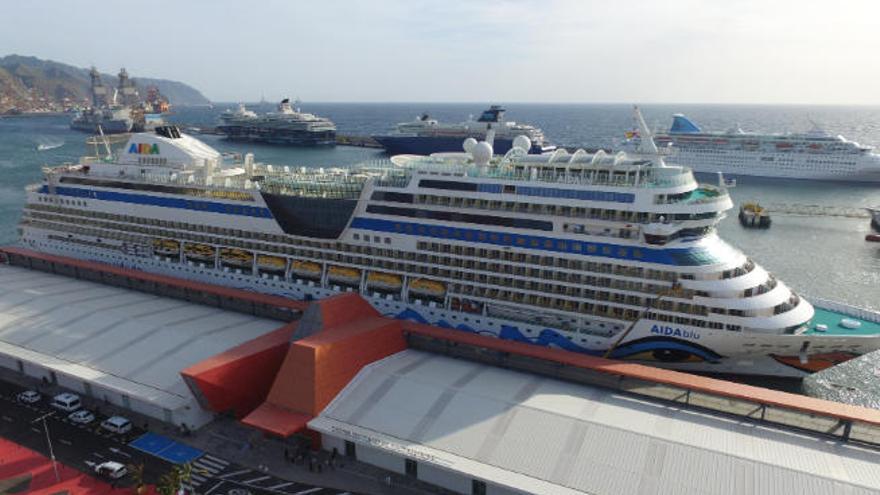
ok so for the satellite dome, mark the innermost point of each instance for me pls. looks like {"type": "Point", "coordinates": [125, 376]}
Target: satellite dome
{"type": "Point", "coordinates": [482, 153]}
{"type": "Point", "coordinates": [522, 142]}
{"type": "Point", "coordinates": [469, 144]}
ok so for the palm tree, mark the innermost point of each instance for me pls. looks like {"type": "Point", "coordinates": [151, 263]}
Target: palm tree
{"type": "Point", "coordinates": [169, 483]}
{"type": "Point", "coordinates": [137, 476]}
{"type": "Point", "coordinates": [185, 472]}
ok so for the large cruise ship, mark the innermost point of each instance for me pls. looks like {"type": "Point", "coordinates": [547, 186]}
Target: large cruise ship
{"type": "Point", "coordinates": [424, 135]}
{"type": "Point", "coordinates": [602, 254]}
{"type": "Point", "coordinates": [812, 155]}
{"type": "Point", "coordinates": [288, 126]}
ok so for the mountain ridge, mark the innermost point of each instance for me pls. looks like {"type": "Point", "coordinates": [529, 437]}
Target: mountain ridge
{"type": "Point", "coordinates": [29, 83]}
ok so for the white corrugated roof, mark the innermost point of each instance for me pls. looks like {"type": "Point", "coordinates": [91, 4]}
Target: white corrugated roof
{"type": "Point", "coordinates": [539, 435]}
{"type": "Point", "coordinates": [128, 341]}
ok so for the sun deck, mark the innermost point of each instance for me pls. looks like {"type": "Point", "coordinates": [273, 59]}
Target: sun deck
{"type": "Point", "coordinates": [832, 319]}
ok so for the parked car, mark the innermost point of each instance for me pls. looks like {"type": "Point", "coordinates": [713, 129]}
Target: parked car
{"type": "Point", "coordinates": [66, 402]}
{"type": "Point", "coordinates": [29, 397]}
{"type": "Point", "coordinates": [83, 416]}
{"type": "Point", "coordinates": [111, 469]}
{"type": "Point", "coordinates": [116, 424]}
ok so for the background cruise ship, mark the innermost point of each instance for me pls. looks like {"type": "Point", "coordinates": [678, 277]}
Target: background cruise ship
{"type": "Point", "coordinates": [287, 126]}
{"type": "Point", "coordinates": [425, 135]}
{"type": "Point", "coordinates": [813, 155]}
{"type": "Point", "coordinates": [595, 253]}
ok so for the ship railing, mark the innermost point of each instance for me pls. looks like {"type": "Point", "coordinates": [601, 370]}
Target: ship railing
{"type": "Point", "coordinates": [862, 313]}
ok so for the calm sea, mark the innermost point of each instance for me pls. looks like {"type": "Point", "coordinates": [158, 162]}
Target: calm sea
{"type": "Point", "coordinates": [818, 256]}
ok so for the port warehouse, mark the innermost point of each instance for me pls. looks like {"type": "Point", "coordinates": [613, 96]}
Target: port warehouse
{"type": "Point", "coordinates": [474, 414]}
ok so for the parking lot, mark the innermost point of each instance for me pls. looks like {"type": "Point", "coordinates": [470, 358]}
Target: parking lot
{"type": "Point", "coordinates": [80, 446]}
{"type": "Point", "coordinates": [84, 446]}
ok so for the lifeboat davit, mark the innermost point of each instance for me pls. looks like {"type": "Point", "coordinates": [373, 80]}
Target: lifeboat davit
{"type": "Point", "coordinates": [306, 269]}
{"type": "Point", "coordinates": [201, 252]}
{"type": "Point", "coordinates": [271, 263]}
{"type": "Point", "coordinates": [384, 281]}
{"type": "Point", "coordinates": [236, 257]}
{"type": "Point", "coordinates": [166, 247]}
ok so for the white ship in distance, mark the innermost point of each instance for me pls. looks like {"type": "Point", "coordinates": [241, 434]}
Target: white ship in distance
{"type": "Point", "coordinates": [812, 155]}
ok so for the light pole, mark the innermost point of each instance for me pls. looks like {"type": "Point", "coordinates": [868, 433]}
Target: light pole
{"type": "Point", "coordinates": [674, 290]}
{"type": "Point", "coordinates": [49, 441]}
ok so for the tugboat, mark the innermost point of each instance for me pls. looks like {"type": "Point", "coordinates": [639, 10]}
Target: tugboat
{"type": "Point", "coordinates": [753, 215]}
{"type": "Point", "coordinates": [875, 224]}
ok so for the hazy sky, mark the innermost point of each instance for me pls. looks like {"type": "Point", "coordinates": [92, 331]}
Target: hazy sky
{"type": "Point", "coordinates": [677, 51]}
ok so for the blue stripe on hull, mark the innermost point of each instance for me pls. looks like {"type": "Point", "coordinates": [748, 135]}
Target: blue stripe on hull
{"type": "Point", "coordinates": [673, 257]}
{"type": "Point", "coordinates": [142, 199]}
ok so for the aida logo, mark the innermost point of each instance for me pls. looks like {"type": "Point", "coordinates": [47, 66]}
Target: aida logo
{"type": "Point", "coordinates": [674, 332]}
{"type": "Point", "coordinates": [144, 149]}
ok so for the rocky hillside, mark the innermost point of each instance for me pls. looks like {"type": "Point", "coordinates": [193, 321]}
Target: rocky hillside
{"type": "Point", "coordinates": [32, 84]}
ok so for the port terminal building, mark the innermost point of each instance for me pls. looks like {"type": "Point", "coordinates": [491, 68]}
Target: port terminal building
{"type": "Point", "coordinates": [464, 412]}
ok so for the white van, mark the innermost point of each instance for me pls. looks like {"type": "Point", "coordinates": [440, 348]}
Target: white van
{"type": "Point", "coordinates": [116, 424]}
{"type": "Point", "coordinates": [110, 469]}
{"type": "Point", "coordinates": [66, 402]}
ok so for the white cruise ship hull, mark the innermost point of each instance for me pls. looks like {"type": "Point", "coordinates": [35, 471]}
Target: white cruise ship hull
{"type": "Point", "coordinates": [710, 351]}
{"type": "Point", "coordinates": [864, 168]}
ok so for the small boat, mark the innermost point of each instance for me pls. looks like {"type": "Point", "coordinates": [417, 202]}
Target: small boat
{"type": "Point", "coordinates": [344, 274]}
{"type": "Point", "coordinates": [236, 257]}
{"type": "Point", "coordinates": [271, 263]}
{"type": "Point", "coordinates": [872, 237]}
{"type": "Point", "coordinates": [166, 247]}
{"type": "Point", "coordinates": [753, 215]}
{"type": "Point", "coordinates": [386, 281]}
{"type": "Point", "coordinates": [306, 269]}
{"type": "Point", "coordinates": [427, 287]}
{"type": "Point", "coordinates": [202, 252]}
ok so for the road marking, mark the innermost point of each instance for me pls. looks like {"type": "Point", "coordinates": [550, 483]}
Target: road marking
{"type": "Point", "coordinates": [35, 429]}
{"type": "Point", "coordinates": [218, 460]}
{"type": "Point", "coordinates": [230, 475]}
{"type": "Point", "coordinates": [213, 464]}
{"type": "Point", "coordinates": [120, 452]}
{"type": "Point", "coordinates": [97, 455]}
{"type": "Point", "coordinates": [199, 479]}
{"type": "Point", "coordinates": [310, 490]}
{"type": "Point", "coordinates": [7, 418]}
{"type": "Point", "coordinates": [65, 442]}
{"type": "Point", "coordinates": [282, 485]}
{"type": "Point", "coordinates": [261, 478]}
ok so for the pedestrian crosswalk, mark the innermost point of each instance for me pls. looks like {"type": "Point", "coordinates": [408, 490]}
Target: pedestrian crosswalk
{"type": "Point", "coordinates": [206, 467]}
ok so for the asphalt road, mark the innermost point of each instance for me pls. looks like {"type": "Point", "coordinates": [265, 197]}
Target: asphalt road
{"type": "Point", "coordinates": [84, 446]}
{"type": "Point", "coordinates": [78, 446]}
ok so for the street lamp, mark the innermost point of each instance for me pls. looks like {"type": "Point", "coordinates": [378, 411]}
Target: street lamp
{"type": "Point", "coordinates": [675, 290]}
{"type": "Point", "coordinates": [49, 441]}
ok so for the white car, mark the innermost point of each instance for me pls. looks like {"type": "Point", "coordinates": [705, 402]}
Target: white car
{"type": "Point", "coordinates": [66, 402]}
{"type": "Point", "coordinates": [111, 469]}
{"type": "Point", "coordinates": [29, 397]}
{"type": "Point", "coordinates": [116, 424]}
{"type": "Point", "coordinates": [83, 417]}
